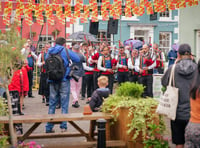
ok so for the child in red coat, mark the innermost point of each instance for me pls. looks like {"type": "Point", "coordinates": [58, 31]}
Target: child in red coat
{"type": "Point", "coordinates": [20, 83]}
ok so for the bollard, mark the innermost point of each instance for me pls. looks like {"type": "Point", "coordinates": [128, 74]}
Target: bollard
{"type": "Point", "coordinates": [101, 143]}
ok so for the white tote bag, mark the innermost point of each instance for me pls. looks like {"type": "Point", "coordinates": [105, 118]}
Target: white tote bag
{"type": "Point", "coordinates": [169, 100]}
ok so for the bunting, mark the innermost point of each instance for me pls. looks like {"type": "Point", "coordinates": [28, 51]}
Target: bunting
{"type": "Point", "coordinates": [7, 13]}
{"type": "Point", "coordinates": [72, 19]}
{"type": "Point", "coordinates": [0, 7]}
{"type": "Point", "coordinates": [104, 11]}
{"type": "Point", "coordinates": [78, 7]}
{"type": "Point", "coordinates": [19, 11]}
{"type": "Point", "coordinates": [94, 8]}
{"type": "Point", "coordinates": [149, 7]}
{"type": "Point", "coordinates": [86, 13]}
{"type": "Point", "coordinates": [82, 18]}
{"type": "Point", "coordinates": [38, 14]}
{"type": "Point", "coordinates": [28, 14]}
{"type": "Point", "coordinates": [83, 11]}
{"type": "Point", "coordinates": [128, 12]}
{"type": "Point", "coordinates": [67, 10]}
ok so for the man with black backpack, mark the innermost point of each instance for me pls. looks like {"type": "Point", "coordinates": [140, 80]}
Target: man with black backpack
{"type": "Point", "coordinates": [57, 64]}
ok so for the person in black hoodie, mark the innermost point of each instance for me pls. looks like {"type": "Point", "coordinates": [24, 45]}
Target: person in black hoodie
{"type": "Point", "coordinates": [184, 74]}
{"type": "Point", "coordinates": [99, 94]}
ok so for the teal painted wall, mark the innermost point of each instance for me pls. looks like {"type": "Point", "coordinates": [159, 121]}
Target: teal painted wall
{"type": "Point", "coordinates": [144, 19]}
{"type": "Point", "coordinates": [189, 22]}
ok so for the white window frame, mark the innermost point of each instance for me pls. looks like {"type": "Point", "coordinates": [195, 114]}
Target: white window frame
{"type": "Point", "coordinates": [133, 18]}
{"type": "Point", "coordinates": [104, 31]}
{"type": "Point", "coordinates": [197, 52]}
{"type": "Point", "coordinates": [166, 18]}
{"type": "Point", "coordinates": [44, 41]}
{"type": "Point", "coordinates": [166, 49]}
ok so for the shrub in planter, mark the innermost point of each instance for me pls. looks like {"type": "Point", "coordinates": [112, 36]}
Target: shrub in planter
{"type": "Point", "coordinates": [133, 114]}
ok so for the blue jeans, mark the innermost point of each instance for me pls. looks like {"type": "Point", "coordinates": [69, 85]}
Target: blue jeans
{"type": "Point", "coordinates": [61, 89]}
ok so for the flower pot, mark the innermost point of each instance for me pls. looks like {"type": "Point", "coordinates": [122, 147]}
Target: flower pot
{"type": "Point", "coordinates": [119, 129]}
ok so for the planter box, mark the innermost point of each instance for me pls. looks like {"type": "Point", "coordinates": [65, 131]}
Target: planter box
{"type": "Point", "coordinates": [118, 131]}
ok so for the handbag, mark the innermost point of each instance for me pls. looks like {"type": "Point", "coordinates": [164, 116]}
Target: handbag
{"type": "Point", "coordinates": [169, 100]}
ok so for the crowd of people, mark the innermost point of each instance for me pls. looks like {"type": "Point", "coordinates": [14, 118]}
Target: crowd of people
{"type": "Point", "coordinates": [90, 72]}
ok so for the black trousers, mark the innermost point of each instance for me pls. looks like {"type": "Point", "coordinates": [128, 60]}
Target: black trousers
{"type": "Point", "coordinates": [83, 87]}
{"type": "Point", "coordinates": [110, 81]}
{"type": "Point", "coordinates": [30, 78]}
{"type": "Point", "coordinates": [89, 84]}
{"type": "Point", "coordinates": [122, 77]}
{"type": "Point", "coordinates": [133, 78]}
{"type": "Point", "coordinates": [147, 81]}
{"type": "Point", "coordinates": [95, 77]}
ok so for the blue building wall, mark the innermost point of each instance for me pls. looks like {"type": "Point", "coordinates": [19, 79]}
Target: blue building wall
{"type": "Point", "coordinates": [160, 26]}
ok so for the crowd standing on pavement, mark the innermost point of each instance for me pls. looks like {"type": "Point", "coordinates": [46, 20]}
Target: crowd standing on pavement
{"type": "Point", "coordinates": [90, 71]}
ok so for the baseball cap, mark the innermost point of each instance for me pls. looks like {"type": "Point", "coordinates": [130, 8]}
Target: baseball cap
{"type": "Point", "coordinates": [184, 49]}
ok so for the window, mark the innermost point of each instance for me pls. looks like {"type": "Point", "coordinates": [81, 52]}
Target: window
{"type": "Point", "coordinates": [103, 36]}
{"type": "Point", "coordinates": [37, 1]}
{"type": "Point", "coordinates": [43, 40]}
{"type": "Point", "coordinates": [139, 35]}
{"type": "Point", "coordinates": [165, 41]}
{"type": "Point", "coordinates": [166, 15]}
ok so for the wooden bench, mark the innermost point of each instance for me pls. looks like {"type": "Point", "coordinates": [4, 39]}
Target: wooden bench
{"type": "Point", "coordinates": [58, 118]}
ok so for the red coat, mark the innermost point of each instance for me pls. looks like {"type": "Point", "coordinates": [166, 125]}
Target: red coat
{"type": "Point", "coordinates": [25, 70]}
{"type": "Point", "coordinates": [19, 81]}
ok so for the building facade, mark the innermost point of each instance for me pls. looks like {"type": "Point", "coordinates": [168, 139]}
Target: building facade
{"type": "Point", "coordinates": [189, 28]}
{"type": "Point", "coordinates": [161, 28]}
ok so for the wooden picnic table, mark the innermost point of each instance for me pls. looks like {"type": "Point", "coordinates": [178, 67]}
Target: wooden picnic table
{"type": "Point", "coordinates": [58, 118]}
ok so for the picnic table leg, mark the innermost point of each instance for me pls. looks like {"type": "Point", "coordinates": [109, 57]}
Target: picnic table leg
{"type": "Point", "coordinates": [29, 131]}
{"type": "Point", "coordinates": [81, 131]}
{"type": "Point", "coordinates": [6, 127]}
{"type": "Point", "coordinates": [92, 128]}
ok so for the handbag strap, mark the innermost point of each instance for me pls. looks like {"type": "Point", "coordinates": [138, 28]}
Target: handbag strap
{"type": "Point", "coordinates": [171, 80]}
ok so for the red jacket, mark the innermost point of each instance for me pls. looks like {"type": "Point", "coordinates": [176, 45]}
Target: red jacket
{"type": "Point", "coordinates": [96, 57]}
{"type": "Point", "coordinates": [19, 81]}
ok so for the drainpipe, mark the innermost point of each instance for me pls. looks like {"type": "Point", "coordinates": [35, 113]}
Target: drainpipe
{"type": "Point", "coordinates": [47, 25]}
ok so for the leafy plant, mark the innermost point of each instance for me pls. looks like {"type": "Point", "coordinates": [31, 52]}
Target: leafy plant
{"type": "Point", "coordinates": [55, 32]}
{"type": "Point", "coordinates": [154, 138]}
{"type": "Point", "coordinates": [141, 111]}
{"type": "Point", "coordinates": [10, 59]}
{"type": "Point", "coordinates": [128, 89]}
{"type": "Point", "coordinates": [10, 52]}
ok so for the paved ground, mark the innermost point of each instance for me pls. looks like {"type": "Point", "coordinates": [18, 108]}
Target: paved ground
{"type": "Point", "coordinates": [35, 106]}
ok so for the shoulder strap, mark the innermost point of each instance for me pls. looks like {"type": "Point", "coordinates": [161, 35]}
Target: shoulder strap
{"type": "Point", "coordinates": [171, 79]}
{"type": "Point", "coordinates": [68, 57]}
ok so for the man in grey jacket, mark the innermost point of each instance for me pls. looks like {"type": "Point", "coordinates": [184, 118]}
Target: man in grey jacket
{"type": "Point", "coordinates": [184, 73]}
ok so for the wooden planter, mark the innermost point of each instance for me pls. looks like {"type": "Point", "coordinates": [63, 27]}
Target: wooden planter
{"type": "Point", "coordinates": [118, 131]}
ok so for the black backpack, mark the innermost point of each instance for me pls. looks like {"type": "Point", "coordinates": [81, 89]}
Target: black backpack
{"type": "Point", "coordinates": [55, 68]}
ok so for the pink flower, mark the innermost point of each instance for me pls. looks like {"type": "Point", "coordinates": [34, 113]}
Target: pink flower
{"type": "Point", "coordinates": [14, 48]}
{"type": "Point", "coordinates": [32, 143]}
{"type": "Point", "coordinates": [38, 146]}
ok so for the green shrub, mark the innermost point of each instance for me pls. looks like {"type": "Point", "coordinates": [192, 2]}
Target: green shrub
{"type": "Point", "coordinates": [134, 90]}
